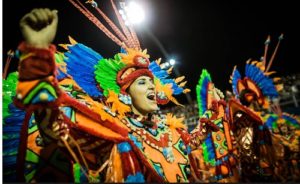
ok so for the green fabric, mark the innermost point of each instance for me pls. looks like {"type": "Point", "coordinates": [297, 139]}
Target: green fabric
{"type": "Point", "coordinates": [9, 90]}
{"type": "Point", "coordinates": [42, 85]}
{"type": "Point", "coordinates": [76, 171]}
{"type": "Point", "coordinates": [106, 74]}
{"type": "Point", "coordinates": [32, 157]}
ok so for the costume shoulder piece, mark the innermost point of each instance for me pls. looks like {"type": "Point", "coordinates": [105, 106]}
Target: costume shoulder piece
{"type": "Point", "coordinates": [80, 65]}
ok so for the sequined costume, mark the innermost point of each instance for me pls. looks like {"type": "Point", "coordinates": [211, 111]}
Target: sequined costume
{"type": "Point", "coordinates": [85, 94]}
{"type": "Point", "coordinates": [217, 148]}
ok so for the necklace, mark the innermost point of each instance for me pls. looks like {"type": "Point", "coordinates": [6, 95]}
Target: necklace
{"type": "Point", "coordinates": [159, 138]}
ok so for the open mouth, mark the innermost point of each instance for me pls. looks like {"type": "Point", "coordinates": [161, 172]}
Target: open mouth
{"type": "Point", "coordinates": [151, 96]}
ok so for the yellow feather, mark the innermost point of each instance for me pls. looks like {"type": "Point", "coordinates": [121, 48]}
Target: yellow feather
{"type": "Point", "coordinates": [72, 41]}
{"type": "Point", "coordinates": [179, 79]}
{"type": "Point", "coordinates": [169, 71]}
{"type": "Point", "coordinates": [175, 101]}
{"type": "Point", "coordinates": [186, 90]}
{"type": "Point", "coordinates": [117, 105]}
{"type": "Point", "coordinates": [158, 61]}
{"type": "Point", "coordinates": [174, 122]}
{"type": "Point", "coordinates": [248, 61]}
{"type": "Point", "coordinates": [269, 73]}
{"type": "Point", "coordinates": [131, 53]}
{"type": "Point", "coordinates": [182, 84]}
{"type": "Point", "coordinates": [276, 79]}
{"type": "Point", "coordinates": [254, 62]}
{"type": "Point", "coordinates": [65, 46]}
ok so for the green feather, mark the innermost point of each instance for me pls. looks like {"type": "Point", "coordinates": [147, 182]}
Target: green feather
{"type": "Point", "coordinates": [201, 100]}
{"type": "Point", "coordinates": [106, 74]}
{"type": "Point", "coordinates": [59, 57]}
{"type": "Point", "coordinates": [9, 91]}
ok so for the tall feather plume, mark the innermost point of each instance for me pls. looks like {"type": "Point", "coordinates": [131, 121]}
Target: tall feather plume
{"type": "Point", "coordinates": [267, 42]}
{"type": "Point", "coordinates": [274, 53]}
{"type": "Point", "coordinates": [128, 34]}
{"type": "Point", "coordinates": [126, 38]}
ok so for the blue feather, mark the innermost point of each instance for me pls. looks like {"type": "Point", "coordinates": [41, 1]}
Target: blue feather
{"type": "Point", "coordinates": [163, 75]}
{"type": "Point", "coordinates": [263, 82]}
{"type": "Point", "coordinates": [292, 120]}
{"type": "Point", "coordinates": [60, 75]}
{"type": "Point", "coordinates": [235, 77]}
{"type": "Point", "coordinates": [269, 122]}
{"type": "Point", "coordinates": [80, 65]}
{"type": "Point", "coordinates": [123, 51]}
{"type": "Point", "coordinates": [210, 147]}
{"type": "Point", "coordinates": [11, 135]}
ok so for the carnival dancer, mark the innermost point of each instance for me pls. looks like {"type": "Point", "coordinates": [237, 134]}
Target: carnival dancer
{"type": "Point", "coordinates": [86, 118]}
{"type": "Point", "coordinates": [218, 148]}
{"type": "Point", "coordinates": [253, 114]}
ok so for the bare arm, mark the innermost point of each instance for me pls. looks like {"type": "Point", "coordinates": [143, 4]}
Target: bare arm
{"type": "Point", "coordinates": [37, 81]}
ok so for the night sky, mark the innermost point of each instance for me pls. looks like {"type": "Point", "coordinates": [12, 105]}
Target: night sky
{"type": "Point", "coordinates": [215, 35]}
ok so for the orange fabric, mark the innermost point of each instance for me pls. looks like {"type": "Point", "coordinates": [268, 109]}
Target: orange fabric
{"type": "Point", "coordinates": [114, 172]}
{"type": "Point", "coordinates": [32, 144]}
{"type": "Point", "coordinates": [210, 97]}
{"type": "Point", "coordinates": [45, 150]}
{"type": "Point", "coordinates": [240, 86]}
{"type": "Point", "coordinates": [170, 169]}
{"type": "Point", "coordinates": [222, 138]}
{"type": "Point", "coordinates": [227, 134]}
{"type": "Point", "coordinates": [98, 130]}
{"type": "Point", "coordinates": [253, 87]}
{"type": "Point", "coordinates": [67, 81]}
{"type": "Point", "coordinates": [23, 88]}
{"type": "Point", "coordinates": [235, 106]}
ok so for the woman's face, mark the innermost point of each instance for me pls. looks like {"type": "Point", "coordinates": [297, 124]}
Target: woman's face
{"type": "Point", "coordinates": [143, 96]}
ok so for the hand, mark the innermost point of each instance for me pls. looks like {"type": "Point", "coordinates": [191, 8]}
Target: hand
{"type": "Point", "coordinates": [60, 130]}
{"type": "Point", "coordinates": [207, 124]}
{"type": "Point", "coordinates": [39, 27]}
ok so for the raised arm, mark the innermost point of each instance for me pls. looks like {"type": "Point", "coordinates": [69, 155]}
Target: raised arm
{"type": "Point", "coordinates": [37, 88]}
{"type": "Point", "coordinates": [39, 27]}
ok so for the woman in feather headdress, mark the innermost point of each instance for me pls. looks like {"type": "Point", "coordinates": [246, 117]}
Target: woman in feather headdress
{"type": "Point", "coordinates": [87, 118]}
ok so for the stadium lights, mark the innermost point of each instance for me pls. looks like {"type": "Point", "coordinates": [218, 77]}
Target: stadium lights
{"type": "Point", "coordinates": [170, 63]}
{"type": "Point", "coordinates": [133, 13]}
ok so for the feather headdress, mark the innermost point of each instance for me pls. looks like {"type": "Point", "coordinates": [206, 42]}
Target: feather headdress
{"type": "Point", "coordinates": [257, 84]}
{"type": "Point", "coordinates": [105, 77]}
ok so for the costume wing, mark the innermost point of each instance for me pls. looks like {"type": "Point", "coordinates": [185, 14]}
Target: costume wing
{"type": "Point", "coordinates": [202, 89]}
{"type": "Point", "coordinates": [81, 61]}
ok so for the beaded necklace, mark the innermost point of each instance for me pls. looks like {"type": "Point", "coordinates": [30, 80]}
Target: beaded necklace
{"type": "Point", "coordinates": [159, 137]}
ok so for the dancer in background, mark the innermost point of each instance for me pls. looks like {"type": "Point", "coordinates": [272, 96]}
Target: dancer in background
{"type": "Point", "coordinates": [256, 121]}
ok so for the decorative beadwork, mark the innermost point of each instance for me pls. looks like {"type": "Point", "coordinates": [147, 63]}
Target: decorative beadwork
{"type": "Point", "coordinates": [159, 139]}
